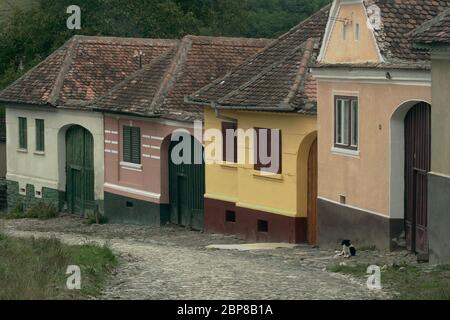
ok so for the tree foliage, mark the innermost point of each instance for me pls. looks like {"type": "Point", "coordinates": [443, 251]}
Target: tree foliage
{"type": "Point", "coordinates": [31, 33]}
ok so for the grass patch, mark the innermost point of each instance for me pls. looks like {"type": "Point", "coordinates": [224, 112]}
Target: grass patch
{"type": "Point", "coordinates": [41, 211]}
{"type": "Point", "coordinates": [420, 282]}
{"type": "Point", "coordinates": [95, 218]}
{"type": "Point", "coordinates": [36, 269]}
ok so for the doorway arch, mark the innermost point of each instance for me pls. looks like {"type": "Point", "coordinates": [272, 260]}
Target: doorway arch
{"type": "Point", "coordinates": [187, 185]}
{"type": "Point", "coordinates": [312, 193]}
{"type": "Point", "coordinates": [305, 188]}
{"type": "Point", "coordinates": [410, 165]}
{"type": "Point", "coordinates": [80, 195]}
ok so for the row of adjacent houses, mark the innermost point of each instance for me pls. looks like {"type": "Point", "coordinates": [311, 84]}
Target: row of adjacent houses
{"type": "Point", "coordinates": [90, 127]}
{"type": "Point", "coordinates": [347, 97]}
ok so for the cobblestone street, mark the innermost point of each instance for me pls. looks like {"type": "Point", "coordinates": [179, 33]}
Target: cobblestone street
{"type": "Point", "coordinates": [173, 263]}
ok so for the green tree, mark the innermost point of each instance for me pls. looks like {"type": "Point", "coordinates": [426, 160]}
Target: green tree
{"type": "Point", "coordinates": [31, 33]}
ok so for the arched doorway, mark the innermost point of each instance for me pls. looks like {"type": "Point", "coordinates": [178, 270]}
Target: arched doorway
{"type": "Point", "coordinates": [79, 170]}
{"type": "Point", "coordinates": [417, 167]}
{"type": "Point", "coordinates": [312, 194]}
{"type": "Point", "coordinates": [187, 185]}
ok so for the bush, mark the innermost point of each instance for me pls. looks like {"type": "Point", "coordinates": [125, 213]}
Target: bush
{"type": "Point", "coordinates": [96, 218]}
{"type": "Point", "coordinates": [42, 211]}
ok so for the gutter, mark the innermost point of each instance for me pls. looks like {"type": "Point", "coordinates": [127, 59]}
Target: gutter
{"type": "Point", "coordinates": [219, 115]}
{"type": "Point", "coordinates": [280, 108]}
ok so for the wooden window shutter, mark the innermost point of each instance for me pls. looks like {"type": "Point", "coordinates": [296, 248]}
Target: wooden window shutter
{"type": "Point", "coordinates": [127, 144]}
{"type": "Point", "coordinates": [40, 134]}
{"type": "Point", "coordinates": [23, 133]}
{"type": "Point", "coordinates": [136, 145]}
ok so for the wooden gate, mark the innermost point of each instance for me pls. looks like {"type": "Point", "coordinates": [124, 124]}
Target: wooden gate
{"type": "Point", "coordinates": [417, 167]}
{"type": "Point", "coordinates": [312, 194]}
{"type": "Point", "coordinates": [79, 170]}
{"type": "Point", "coordinates": [187, 189]}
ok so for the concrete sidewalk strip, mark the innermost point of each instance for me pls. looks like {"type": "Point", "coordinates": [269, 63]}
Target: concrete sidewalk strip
{"type": "Point", "coordinates": [252, 246]}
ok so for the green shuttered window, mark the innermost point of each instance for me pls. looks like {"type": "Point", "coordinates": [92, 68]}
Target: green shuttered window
{"type": "Point", "coordinates": [40, 142]}
{"type": "Point", "coordinates": [132, 144]}
{"type": "Point", "coordinates": [23, 143]}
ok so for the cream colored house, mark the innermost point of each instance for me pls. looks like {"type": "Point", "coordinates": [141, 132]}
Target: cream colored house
{"type": "Point", "coordinates": [55, 140]}
{"type": "Point", "coordinates": [374, 104]}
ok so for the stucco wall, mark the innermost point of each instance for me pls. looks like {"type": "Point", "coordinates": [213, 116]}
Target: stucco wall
{"type": "Point", "coordinates": [440, 116]}
{"type": "Point", "coordinates": [283, 194]}
{"type": "Point", "coordinates": [367, 179]}
{"type": "Point", "coordinates": [351, 50]}
{"type": "Point", "coordinates": [150, 181]}
{"type": "Point", "coordinates": [48, 169]}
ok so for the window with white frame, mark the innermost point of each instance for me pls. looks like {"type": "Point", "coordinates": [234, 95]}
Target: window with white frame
{"type": "Point", "coordinates": [346, 122]}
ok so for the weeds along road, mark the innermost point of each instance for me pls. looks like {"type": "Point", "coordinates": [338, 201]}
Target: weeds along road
{"type": "Point", "coordinates": [173, 263]}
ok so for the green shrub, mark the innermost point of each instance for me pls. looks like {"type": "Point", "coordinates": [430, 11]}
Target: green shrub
{"type": "Point", "coordinates": [16, 213]}
{"type": "Point", "coordinates": [96, 218]}
{"type": "Point", "coordinates": [42, 211]}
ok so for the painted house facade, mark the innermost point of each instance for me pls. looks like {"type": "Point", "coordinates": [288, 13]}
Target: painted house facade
{"type": "Point", "coordinates": [146, 116]}
{"type": "Point", "coordinates": [270, 95]}
{"type": "Point", "coordinates": [434, 36]}
{"type": "Point", "coordinates": [374, 115]}
{"type": "Point", "coordinates": [55, 142]}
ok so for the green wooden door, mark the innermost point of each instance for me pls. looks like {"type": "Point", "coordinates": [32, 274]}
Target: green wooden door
{"type": "Point", "coordinates": [79, 170]}
{"type": "Point", "coordinates": [187, 189]}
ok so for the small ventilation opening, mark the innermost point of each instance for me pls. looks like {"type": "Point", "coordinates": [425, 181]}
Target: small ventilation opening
{"type": "Point", "coordinates": [130, 204]}
{"type": "Point", "coordinates": [343, 199]}
{"type": "Point", "coordinates": [38, 193]}
{"type": "Point", "coordinates": [23, 190]}
{"type": "Point", "coordinates": [230, 216]}
{"type": "Point", "coordinates": [263, 226]}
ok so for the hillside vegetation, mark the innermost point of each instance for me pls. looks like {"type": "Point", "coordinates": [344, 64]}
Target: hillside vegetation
{"type": "Point", "coordinates": [31, 29]}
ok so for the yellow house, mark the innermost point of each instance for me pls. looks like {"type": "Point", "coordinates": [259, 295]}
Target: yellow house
{"type": "Point", "coordinates": [271, 97]}
{"type": "Point", "coordinates": [374, 102]}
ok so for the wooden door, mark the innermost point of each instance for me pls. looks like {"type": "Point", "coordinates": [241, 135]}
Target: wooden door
{"type": "Point", "coordinates": [79, 170]}
{"type": "Point", "coordinates": [187, 189]}
{"type": "Point", "coordinates": [417, 167]}
{"type": "Point", "coordinates": [312, 194]}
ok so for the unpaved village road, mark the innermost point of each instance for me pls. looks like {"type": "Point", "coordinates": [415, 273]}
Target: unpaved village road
{"type": "Point", "coordinates": [173, 263]}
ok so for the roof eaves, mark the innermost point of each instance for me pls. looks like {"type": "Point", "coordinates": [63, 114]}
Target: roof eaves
{"type": "Point", "coordinates": [281, 107]}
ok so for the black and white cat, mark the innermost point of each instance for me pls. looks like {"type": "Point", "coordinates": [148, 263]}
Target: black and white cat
{"type": "Point", "coordinates": [348, 250]}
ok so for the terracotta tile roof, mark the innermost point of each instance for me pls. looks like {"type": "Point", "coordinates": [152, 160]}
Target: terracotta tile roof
{"type": "Point", "coordinates": [84, 69]}
{"type": "Point", "coordinates": [399, 18]}
{"type": "Point", "coordinates": [136, 93]}
{"type": "Point", "coordinates": [277, 78]}
{"type": "Point", "coordinates": [435, 31]}
{"type": "Point", "coordinates": [160, 87]}
{"type": "Point", "coordinates": [37, 85]}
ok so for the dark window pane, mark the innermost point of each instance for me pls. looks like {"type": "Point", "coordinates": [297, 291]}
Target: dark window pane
{"type": "Point", "coordinates": [23, 143]}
